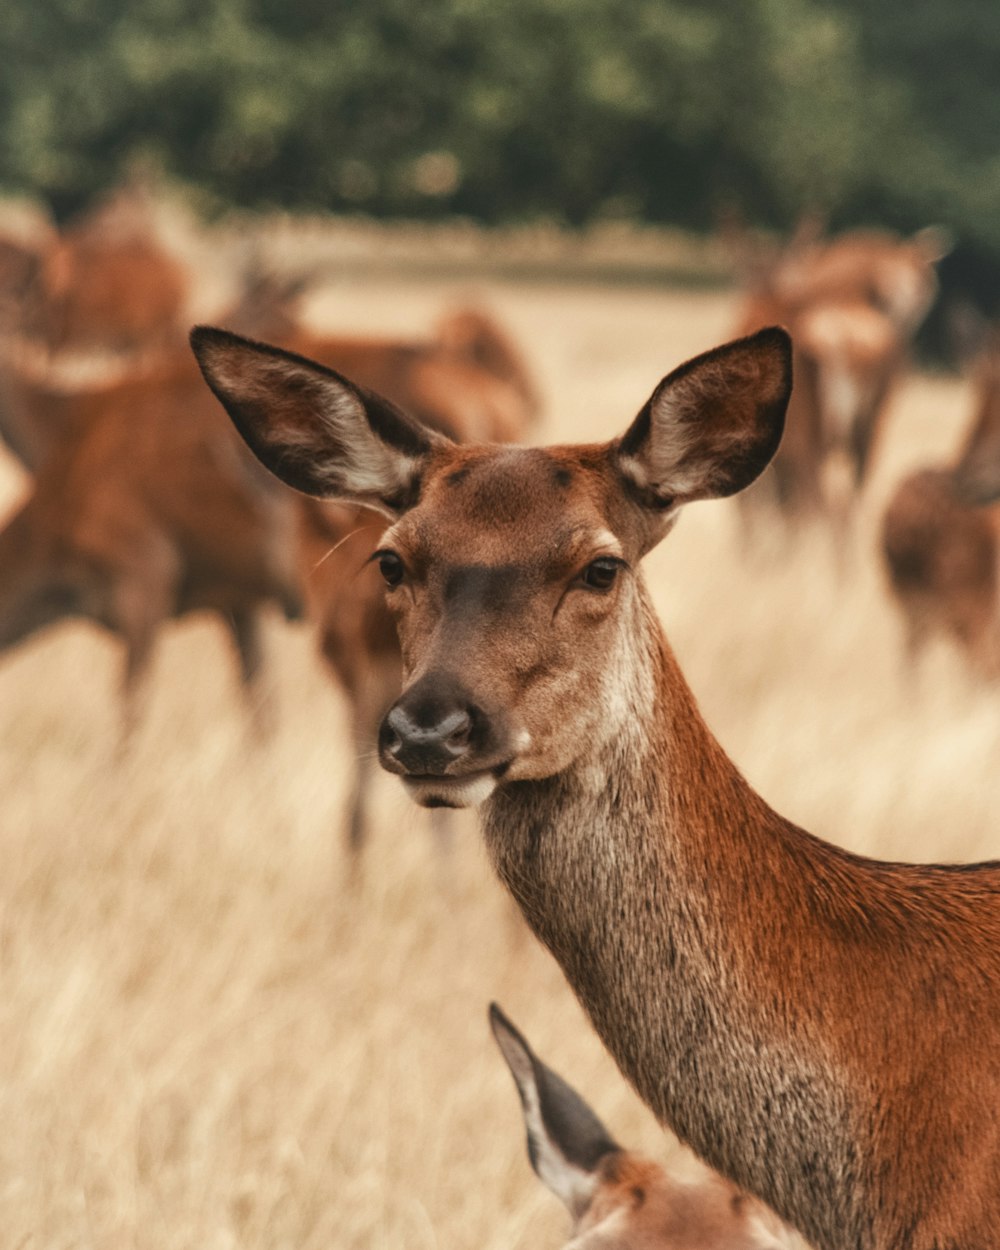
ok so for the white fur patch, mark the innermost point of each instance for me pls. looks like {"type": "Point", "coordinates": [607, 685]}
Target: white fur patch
{"type": "Point", "coordinates": [457, 792]}
{"type": "Point", "coordinates": [608, 544]}
{"type": "Point", "coordinates": [572, 1185]}
{"type": "Point", "coordinates": [666, 447]}
{"type": "Point", "coordinates": [841, 400]}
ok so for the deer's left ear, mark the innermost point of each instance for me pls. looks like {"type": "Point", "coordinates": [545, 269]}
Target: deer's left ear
{"type": "Point", "coordinates": [711, 427]}
{"type": "Point", "coordinates": [316, 430]}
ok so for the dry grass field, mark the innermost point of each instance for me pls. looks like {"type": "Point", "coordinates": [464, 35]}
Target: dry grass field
{"type": "Point", "coordinates": [212, 1038]}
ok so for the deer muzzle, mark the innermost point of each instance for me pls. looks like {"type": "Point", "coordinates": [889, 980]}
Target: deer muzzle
{"type": "Point", "coordinates": [447, 749]}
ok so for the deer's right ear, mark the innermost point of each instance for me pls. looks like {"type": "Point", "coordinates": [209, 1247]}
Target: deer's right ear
{"type": "Point", "coordinates": [566, 1141]}
{"type": "Point", "coordinates": [316, 430]}
{"type": "Point", "coordinates": [712, 425]}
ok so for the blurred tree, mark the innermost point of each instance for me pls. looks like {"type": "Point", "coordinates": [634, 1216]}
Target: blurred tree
{"type": "Point", "coordinates": [562, 107]}
{"type": "Point", "coordinates": [660, 109]}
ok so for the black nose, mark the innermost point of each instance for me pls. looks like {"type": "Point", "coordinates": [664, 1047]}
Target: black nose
{"type": "Point", "coordinates": [426, 739]}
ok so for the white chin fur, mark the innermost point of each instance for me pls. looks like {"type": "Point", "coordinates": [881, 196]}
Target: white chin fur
{"type": "Point", "coordinates": [461, 792]}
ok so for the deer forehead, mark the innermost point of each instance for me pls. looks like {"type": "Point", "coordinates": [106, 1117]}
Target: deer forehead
{"type": "Point", "coordinates": [532, 509]}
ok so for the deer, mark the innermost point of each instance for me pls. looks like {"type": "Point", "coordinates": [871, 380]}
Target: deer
{"type": "Point", "coordinates": [853, 304]}
{"type": "Point", "coordinates": [941, 539]}
{"type": "Point", "coordinates": [147, 508]}
{"type": "Point", "coordinates": [615, 1197]}
{"type": "Point", "coordinates": [821, 1028]}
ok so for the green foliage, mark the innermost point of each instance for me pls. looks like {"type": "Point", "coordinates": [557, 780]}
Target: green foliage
{"type": "Point", "coordinates": [662, 109]}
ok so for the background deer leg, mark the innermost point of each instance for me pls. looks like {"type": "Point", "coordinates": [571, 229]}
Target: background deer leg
{"type": "Point", "coordinates": [245, 628]}
{"type": "Point", "coordinates": [140, 636]}
{"type": "Point", "coordinates": [357, 818]}
{"type": "Point", "coordinates": [140, 605]}
{"type": "Point", "coordinates": [371, 697]}
{"type": "Point", "coordinates": [865, 429]}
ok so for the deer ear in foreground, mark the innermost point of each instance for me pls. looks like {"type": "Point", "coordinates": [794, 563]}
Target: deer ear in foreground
{"type": "Point", "coordinates": [566, 1141]}
{"type": "Point", "coordinates": [712, 425]}
{"type": "Point", "coordinates": [315, 430]}
{"type": "Point", "coordinates": [619, 1200]}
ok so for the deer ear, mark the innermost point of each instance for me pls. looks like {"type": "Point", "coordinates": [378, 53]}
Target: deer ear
{"type": "Point", "coordinates": [711, 427]}
{"type": "Point", "coordinates": [313, 428]}
{"type": "Point", "coordinates": [566, 1140]}
{"type": "Point", "coordinates": [934, 243]}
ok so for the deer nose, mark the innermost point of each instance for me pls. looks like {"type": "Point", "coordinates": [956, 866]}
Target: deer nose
{"type": "Point", "coordinates": [428, 744]}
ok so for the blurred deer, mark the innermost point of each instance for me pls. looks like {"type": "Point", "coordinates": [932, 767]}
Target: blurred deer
{"type": "Point", "coordinates": [619, 1200]}
{"type": "Point", "coordinates": [852, 304]}
{"type": "Point", "coordinates": [109, 283]}
{"type": "Point", "coordinates": [821, 1028]}
{"type": "Point", "coordinates": [148, 508]}
{"type": "Point", "coordinates": [894, 275]}
{"type": "Point", "coordinates": [80, 310]}
{"type": "Point", "coordinates": [941, 538]}
{"type": "Point", "coordinates": [468, 379]}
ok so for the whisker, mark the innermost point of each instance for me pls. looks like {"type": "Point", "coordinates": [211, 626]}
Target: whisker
{"type": "Point", "coordinates": [336, 546]}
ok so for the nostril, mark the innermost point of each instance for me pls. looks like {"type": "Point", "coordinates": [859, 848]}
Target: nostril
{"type": "Point", "coordinates": [455, 731]}
{"type": "Point", "coordinates": [391, 734]}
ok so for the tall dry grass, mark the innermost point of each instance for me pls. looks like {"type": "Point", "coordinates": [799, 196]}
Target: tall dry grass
{"type": "Point", "coordinates": [211, 1038]}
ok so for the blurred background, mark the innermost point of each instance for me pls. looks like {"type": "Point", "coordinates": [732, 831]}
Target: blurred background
{"type": "Point", "coordinates": [557, 111]}
{"type": "Point", "coordinates": [244, 981]}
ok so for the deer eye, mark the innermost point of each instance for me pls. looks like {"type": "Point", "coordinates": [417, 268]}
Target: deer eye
{"type": "Point", "coordinates": [390, 566]}
{"type": "Point", "coordinates": [600, 574]}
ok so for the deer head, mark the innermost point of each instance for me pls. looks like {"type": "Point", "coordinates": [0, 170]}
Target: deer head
{"type": "Point", "coordinates": [512, 572]}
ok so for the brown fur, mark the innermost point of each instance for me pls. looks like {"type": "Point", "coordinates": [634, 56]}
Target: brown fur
{"type": "Point", "coordinates": [892, 274]}
{"type": "Point", "coordinates": [822, 1028]}
{"type": "Point", "coordinates": [468, 381]}
{"type": "Point", "coordinates": [122, 293]}
{"type": "Point", "coordinates": [639, 1206]}
{"type": "Point", "coordinates": [46, 396]}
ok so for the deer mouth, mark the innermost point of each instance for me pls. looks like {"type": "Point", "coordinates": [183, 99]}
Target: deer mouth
{"type": "Point", "coordinates": [468, 790]}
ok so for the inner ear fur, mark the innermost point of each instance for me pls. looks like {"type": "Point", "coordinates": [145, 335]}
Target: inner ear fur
{"type": "Point", "coordinates": [316, 430]}
{"type": "Point", "coordinates": [712, 425]}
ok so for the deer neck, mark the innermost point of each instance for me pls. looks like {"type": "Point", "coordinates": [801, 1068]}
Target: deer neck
{"type": "Point", "coordinates": [652, 872]}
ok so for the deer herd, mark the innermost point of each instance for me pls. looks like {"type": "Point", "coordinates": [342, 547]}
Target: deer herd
{"type": "Point", "coordinates": [822, 1029]}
